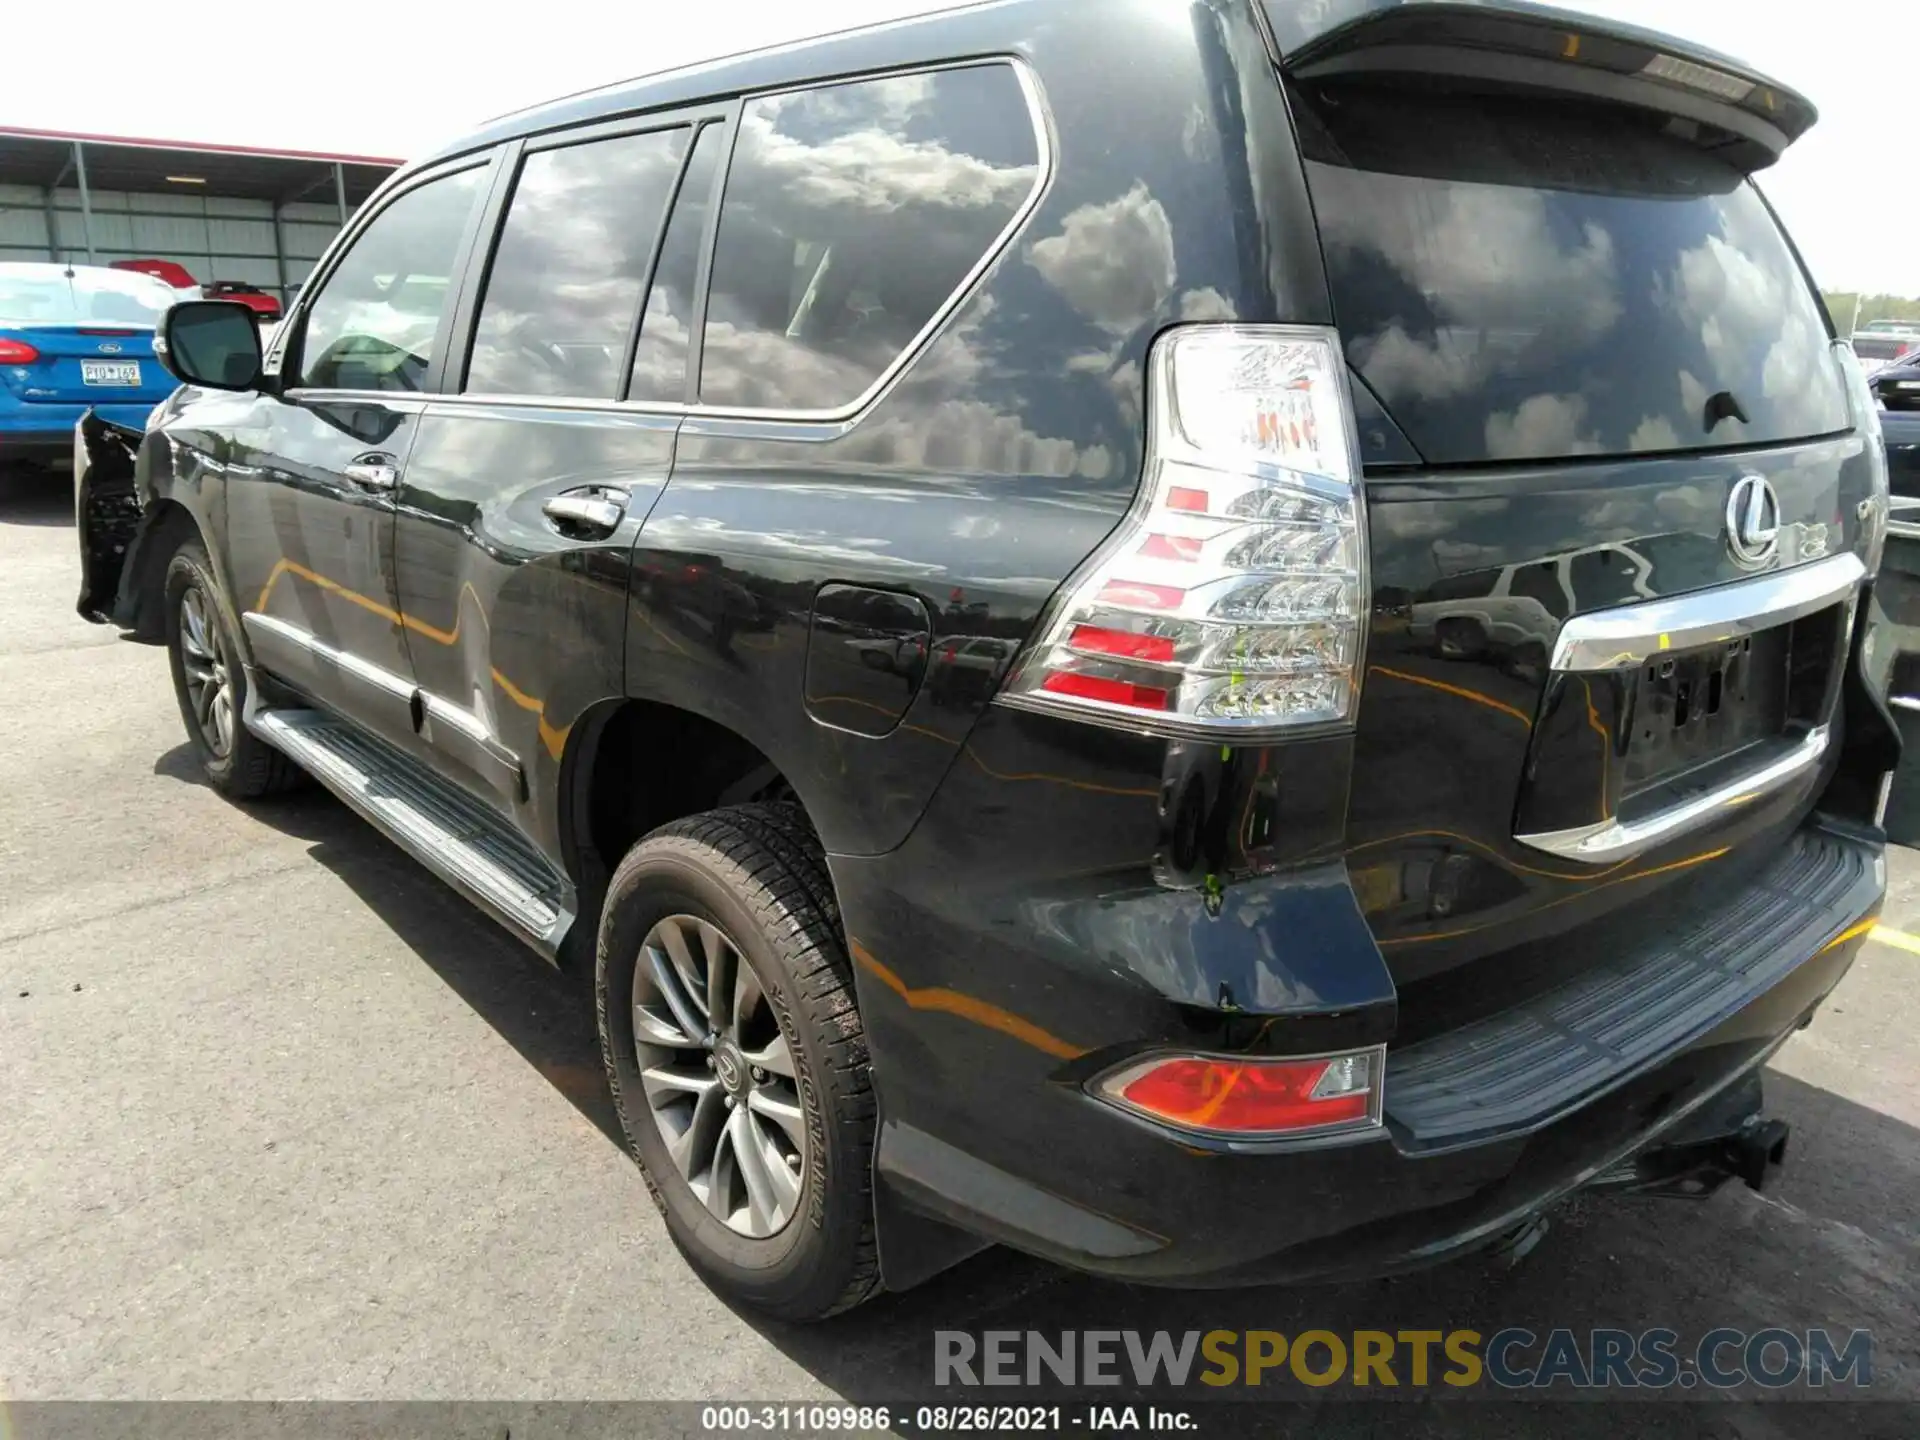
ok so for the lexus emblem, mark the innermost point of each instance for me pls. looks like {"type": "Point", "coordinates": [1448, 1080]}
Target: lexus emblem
{"type": "Point", "coordinates": [109, 348]}
{"type": "Point", "coordinates": [1753, 522]}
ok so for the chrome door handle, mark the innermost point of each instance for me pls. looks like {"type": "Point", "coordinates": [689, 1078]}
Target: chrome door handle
{"type": "Point", "coordinates": [589, 512]}
{"type": "Point", "coordinates": [373, 475]}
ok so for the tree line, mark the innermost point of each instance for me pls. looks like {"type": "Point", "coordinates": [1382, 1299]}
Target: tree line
{"type": "Point", "coordinates": [1840, 305]}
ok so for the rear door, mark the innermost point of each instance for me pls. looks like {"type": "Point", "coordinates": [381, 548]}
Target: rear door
{"type": "Point", "coordinates": [530, 478]}
{"type": "Point", "coordinates": [1618, 510]}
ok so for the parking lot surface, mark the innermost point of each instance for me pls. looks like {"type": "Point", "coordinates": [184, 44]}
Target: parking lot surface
{"type": "Point", "coordinates": [283, 1117]}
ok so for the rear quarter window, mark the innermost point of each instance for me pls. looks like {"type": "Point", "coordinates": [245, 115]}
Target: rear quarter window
{"type": "Point", "coordinates": [1541, 279]}
{"type": "Point", "coordinates": [851, 216]}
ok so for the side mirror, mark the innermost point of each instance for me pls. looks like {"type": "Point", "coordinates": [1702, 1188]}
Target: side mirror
{"type": "Point", "coordinates": [211, 343]}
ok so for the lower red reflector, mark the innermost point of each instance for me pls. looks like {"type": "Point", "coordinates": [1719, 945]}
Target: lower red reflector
{"type": "Point", "coordinates": [1099, 687]}
{"type": "Point", "coordinates": [1228, 1095]}
{"type": "Point", "coordinates": [1124, 643]}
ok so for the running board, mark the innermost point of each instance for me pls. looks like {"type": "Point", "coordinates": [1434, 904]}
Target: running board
{"type": "Point", "coordinates": [456, 837]}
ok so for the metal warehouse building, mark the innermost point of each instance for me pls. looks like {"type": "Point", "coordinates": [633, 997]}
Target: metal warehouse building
{"type": "Point", "coordinates": [225, 212]}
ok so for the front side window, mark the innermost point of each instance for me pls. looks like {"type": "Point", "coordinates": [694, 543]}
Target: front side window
{"type": "Point", "coordinates": [1606, 576]}
{"type": "Point", "coordinates": [564, 288]}
{"type": "Point", "coordinates": [374, 323]}
{"type": "Point", "coordinates": [852, 214]}
{"type": "Point", "coordinates": [1541, 584]}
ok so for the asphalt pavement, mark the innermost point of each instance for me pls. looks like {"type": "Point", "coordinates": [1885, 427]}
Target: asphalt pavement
{"type": "Point", "coordinates": [281, 1117]}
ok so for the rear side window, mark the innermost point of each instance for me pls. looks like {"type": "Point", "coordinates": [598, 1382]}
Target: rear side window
{"type": "Point", "coordinates": [660, 357]}
{"type": "Point", "coordinates": [564, 288]}
{"type": "Point", "coordinates": [376, 319]}
{"type": "Point", "coordinates": [852, 214]}
{"type": "Point", "coordinates": [1538, 279]}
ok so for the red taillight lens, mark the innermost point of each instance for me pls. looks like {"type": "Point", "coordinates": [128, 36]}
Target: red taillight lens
{"type": "Point", "coordinates": [17, 352]}
{"type": "Point", "coordinates": [1112, 692]}
{"type": "Point", "coordinates": [1227, 1096]}
{"type": "Point", "coordinates": [1095, 640]}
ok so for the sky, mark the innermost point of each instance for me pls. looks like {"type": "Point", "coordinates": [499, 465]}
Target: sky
{"type": "Point", "coordinates": [396, 77]}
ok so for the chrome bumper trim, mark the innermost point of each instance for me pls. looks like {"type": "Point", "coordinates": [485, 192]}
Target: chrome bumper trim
{"type": "Point", "coordinates": [1630, 635]}
{"type": "Point", "coordinates": [1620, 839]}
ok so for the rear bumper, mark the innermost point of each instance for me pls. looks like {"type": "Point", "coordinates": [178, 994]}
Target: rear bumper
{"type": "Point", "coordinates": [1486, 1125]}
{"type": "Point", "coordinates": [45, 432]}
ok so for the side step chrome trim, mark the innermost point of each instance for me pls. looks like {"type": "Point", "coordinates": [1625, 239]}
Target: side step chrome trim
{"type": "Point", "coordinates": [460, 840]}
{"type": "Point", "coordinates": [1617, 839]}
{"type": "Point", "coordinates": [1630, 635]}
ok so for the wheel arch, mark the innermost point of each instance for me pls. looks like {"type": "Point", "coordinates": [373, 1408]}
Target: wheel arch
{"type": "Point", "coordinates": [614, 788]}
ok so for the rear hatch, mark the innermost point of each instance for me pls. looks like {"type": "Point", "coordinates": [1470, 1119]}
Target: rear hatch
{"type": "Point", "coordinates": [1583, 353]}
{"type": "Point", "coordinates": [84, 365]}
{"type": "Point", "coordinates": [1876, 351]}
{"type": "Point", "coordinates": [80, 335]}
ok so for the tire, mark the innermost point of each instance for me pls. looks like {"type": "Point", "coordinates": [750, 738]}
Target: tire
{"type": "Point", "coordinates": [756, 875]}
{"type": "Point", "coordinates": [1458, 639]}
{"type": "Point", "coordinates": [201, 643]}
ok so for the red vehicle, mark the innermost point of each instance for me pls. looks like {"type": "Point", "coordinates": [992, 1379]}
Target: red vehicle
{"type": "Point", "coordinates": [178, 276]}
{"type": "Point", "coordinates": [252, 296]}
{"type": "Point", "coordinates": [171, 271]}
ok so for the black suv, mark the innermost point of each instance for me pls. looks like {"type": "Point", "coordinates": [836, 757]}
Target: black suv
{"type": "Point", "coordinates": [1224, 644]}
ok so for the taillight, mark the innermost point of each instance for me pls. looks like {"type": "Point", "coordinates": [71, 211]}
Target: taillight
{"type": "Point", "coordinates": [1225, 1095]}
{"type": "Point", "coordinates": [1232, 599]}
{"type": "Point", "coordinates": [17, 352]}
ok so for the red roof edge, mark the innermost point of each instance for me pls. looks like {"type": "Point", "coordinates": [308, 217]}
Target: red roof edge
{"type": "Point", "coordinates": [191, 147]}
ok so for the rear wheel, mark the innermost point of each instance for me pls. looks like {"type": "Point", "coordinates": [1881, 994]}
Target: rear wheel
{"type": "Point", "coordinates": [736, 1057]}
{"type": "Point", "coordinates": [211, 684]}
{"type": "Point", "coordinates": [1459, 639]}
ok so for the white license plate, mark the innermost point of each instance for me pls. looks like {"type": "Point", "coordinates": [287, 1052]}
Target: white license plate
{"type": "Point", "coordinates": [110, 372]}
{"type": "Point", "coordinates": [1906, 384]}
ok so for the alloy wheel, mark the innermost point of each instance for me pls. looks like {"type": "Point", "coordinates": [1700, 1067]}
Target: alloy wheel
{"type": "Point", "coordinates": [204, 663]}
{"type": "Point", "coordinates": [718, 1075]}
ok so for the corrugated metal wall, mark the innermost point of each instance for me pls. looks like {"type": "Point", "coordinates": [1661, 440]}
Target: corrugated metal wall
{"type": "Point", "coordinates": [214, 237]}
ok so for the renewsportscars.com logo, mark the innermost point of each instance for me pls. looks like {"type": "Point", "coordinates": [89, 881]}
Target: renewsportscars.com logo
{"type": "Point", "coordinates": [1512, 1359]}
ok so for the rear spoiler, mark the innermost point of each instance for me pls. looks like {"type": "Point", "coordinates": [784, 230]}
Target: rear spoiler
{"type": "Point", "coordinates": [1714, 99]}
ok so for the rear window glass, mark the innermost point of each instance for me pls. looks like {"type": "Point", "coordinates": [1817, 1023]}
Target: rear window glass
{"type": "Point", "coordinates": [851, 215]}
{"type": "Point", "coordinates": [564, 289]}
{"type": "Point", "coordinates": [49, 295]}
{"type": "Point", "coordinates": [1534, 280]}
{"type": "Point", "coordinates": [1884, 347]}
